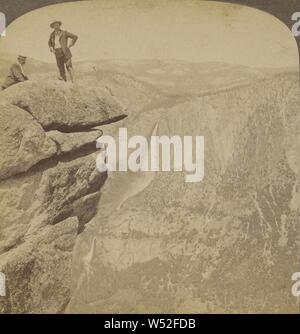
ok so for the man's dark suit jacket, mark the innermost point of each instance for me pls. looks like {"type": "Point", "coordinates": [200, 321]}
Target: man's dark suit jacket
{"type": "Point", "coordinates": [15, 75]}
{"type": "Point", "coordinates": [63, 42]}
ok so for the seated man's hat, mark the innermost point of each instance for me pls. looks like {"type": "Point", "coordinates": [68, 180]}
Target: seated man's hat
{"type": "Point", "coordinates": [22, 57]}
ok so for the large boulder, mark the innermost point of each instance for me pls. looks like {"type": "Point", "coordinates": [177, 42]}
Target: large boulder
{"type": "Point", "coordinates": [23, 141]}
{"type": "Point", "coordinates": [60, 106]}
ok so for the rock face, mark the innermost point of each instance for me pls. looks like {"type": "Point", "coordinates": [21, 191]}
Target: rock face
{"type": "Point", "coordinates": [57, 106]}
{"type": "Point", "coordinates": [70, 142]}
{"type": "Point", "coordinates": [23, 141]}
{"type": "Point", "coordinates": [39, 269]}
{"type": "Point", "coordinates": [49, 190]}
{"type": "Point", "coordinates": [227, 244]}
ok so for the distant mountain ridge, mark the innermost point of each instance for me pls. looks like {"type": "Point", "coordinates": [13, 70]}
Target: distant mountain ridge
{"type": "Point", "coordinates": [176, 77]}
{"type": "Point", "coordinates": [170, 77]}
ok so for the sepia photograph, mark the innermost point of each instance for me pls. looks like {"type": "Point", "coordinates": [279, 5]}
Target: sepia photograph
{"type": "Point", "coordinates": [149, 159]}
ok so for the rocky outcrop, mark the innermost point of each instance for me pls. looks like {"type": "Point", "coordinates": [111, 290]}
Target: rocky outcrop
{"type": "Point", "coordinates": [57, 106]}
{"type": "Point", "coordinates": [49, 189]}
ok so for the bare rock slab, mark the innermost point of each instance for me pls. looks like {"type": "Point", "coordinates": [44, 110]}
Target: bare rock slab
{"type": "Point", "coordinates": [59, 106]}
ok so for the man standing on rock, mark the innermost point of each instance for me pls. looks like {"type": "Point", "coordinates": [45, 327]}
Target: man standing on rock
{"type": "Point", "coordinates": [16, 73]}
{"type": "Point", "coordinates": [58, 43]}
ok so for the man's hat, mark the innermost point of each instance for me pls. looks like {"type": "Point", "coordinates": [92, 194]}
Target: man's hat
{"type": "Point", "coordinates": [22, 57]}
{"type": "Point", "coordinates": [52, 24]}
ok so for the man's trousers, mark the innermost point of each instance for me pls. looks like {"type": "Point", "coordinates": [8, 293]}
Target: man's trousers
{"type": "Point", "coordinates": [62, 61]}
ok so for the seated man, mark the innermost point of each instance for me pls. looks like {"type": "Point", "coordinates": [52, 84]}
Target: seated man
{"type": "Point", "coordinates": [16, 73]}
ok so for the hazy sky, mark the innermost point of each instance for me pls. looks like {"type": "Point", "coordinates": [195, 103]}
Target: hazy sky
{"type": "Point", "coordinates": [189, 30]}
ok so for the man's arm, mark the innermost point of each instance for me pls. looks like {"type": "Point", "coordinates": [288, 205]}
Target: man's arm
{"type": "Point", "coordinates": [73, 37]}
{"type": "Point", "coordinates": [50, 44]}
{"type": "Point", "coordinates": [17, 73]}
